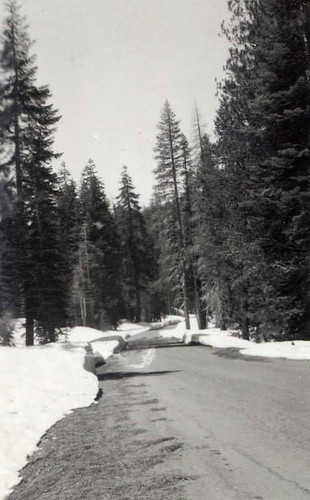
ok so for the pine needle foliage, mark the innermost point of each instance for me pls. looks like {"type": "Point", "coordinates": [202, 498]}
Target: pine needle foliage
{"type": "Point", "coordinates": [263, 130]}
{"type": "Point", "coordinates": [138, 264]}
{"type": "Point", "coordinates": [169, 154]}
{"type": "Point", "coordinates": [28, 125]}
{"type": "Point", "coordinates": [98, 273]}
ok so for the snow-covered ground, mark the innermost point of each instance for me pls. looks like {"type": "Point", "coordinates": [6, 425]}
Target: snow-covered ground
{"type": "Point", "coordinates": [214, 337]}
{"type": "Point", "coordinates": [290, 350]}
{"type": "Point", "coordinates": [42, 384]}
{"type": "Point", "coordinates": [39, 386]}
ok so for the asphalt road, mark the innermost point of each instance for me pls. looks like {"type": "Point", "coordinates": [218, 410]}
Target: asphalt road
{"type": "Point", "coordinates": [244, 423]}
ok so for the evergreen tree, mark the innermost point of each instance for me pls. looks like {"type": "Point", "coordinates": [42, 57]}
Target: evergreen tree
{"type": "Point", "coordinates": [28, 123]}
{"type": "Point", "coordinates": [208, 227]}
{"type": "Point", "coordinates": [100, 254]}
{"type": "Point", "coordinates": [9, 293]}
{"type": "Point", "coordinates": [263, 127]}
{"type": "Point", "coordinates": [194, 284]}
{"type": "Point", "coordinates": [6, 330]}
{"type": "Point", "coordinates": [137, 265]}
{"type": "Point", "coordinates": [169, 156]}
{"type": "Point", "coordinates": [69, 222]}
{"type": "Point", "coordinates": [234, 128]}
{"type": "Point", "coordinates": [278, 188]}
{"type": "Point", "coordinates": [158, 294]}
{"type": "Point", "coordinates": [9, 289]}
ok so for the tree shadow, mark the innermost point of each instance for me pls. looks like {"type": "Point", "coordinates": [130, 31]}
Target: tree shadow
{"type": "Point", "coordinates": [178, 344]}
{"type": "Point", "coordinates": [139, 346]}
{"type": "Point", "coordinates": [120, 375]}
{"type": "Point", "coordinates": [235, 353]}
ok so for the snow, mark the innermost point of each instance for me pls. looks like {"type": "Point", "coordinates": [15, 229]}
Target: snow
{"type": "Point", "coordinates": [84, 335]}
{"type": "Point", "coordinates": [300, 349]}
{"type": "Point", "coordinates": [214, 337]}
{"type": "Point", "coordinates": [131, 328]}
{"type": "Point", "coordinates": [170, 321]}
{"type": "Point", "coordinates": [42, 384]}
{"type": "Point", "coordinates": [219, 339]}
{"type": "Point", "coordinates": [174, 327]}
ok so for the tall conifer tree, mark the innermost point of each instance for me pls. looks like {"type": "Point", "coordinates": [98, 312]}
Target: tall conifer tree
{"type": "Point", "coordinates": [278, 188]}
{"type": "Point", "coordinates": [137, 264]}
{"type": "Point", "coordinates": [69, 226]}
{"type": "Point", "coordinates": [169, 156]}
{"type": "Point", "coordinates": [28, 122]}
{"type": "Point", "coordinates": [263, 125]}
{"type": "Point", "coordinates": [100, 253]}
{"type": "Point", "coordinates": [194, 284]}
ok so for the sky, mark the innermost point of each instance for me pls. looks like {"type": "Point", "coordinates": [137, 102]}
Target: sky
{"type": "Point", "coordinates": [31, 404]}
{"type": "Point", "coordinates": [111, 64]}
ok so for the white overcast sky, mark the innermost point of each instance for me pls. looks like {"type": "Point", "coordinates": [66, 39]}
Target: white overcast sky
{"type": "Point", "coordinates": [111, 64]}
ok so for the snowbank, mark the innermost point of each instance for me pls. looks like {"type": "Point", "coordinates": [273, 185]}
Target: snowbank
{"type": "Point", "coordinates": [40, 385]}
{"type": "Point", "coordinates": [174, 326]}
{"type": "Point", "coordinates": [214, 337]}
{"type": "Point", "coordinates": [299, 349]}
{"type": "Point", "coordinates": [84, 335]}
{"type": "Point", "coordinates": [129, 329]}
{"type": "Point", "coordinates": [166, 322]}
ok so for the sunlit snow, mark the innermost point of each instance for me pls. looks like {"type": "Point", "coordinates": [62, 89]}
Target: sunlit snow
{"type": "Point", "coordinates": [214, 337]}
{"type": "Point", "coordinates": [40, 385]}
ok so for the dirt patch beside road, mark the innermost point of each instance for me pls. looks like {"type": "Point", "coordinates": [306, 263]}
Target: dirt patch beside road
{"type": "Point", "coordinates": [103, 452]}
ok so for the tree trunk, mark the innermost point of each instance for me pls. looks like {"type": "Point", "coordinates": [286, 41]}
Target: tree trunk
{"type": "Point", "coordinates": [200, 312]}
{"type": "Point", "coordinates": [186, 308]}
{"type": "Point", "coordinates": [223, 324]}
{"type": "Point", "coordinates": [181, 238]}
{"type": "Point", "coordinates": [245, 333]}
{"type": "Point", "coordinates": [138, 305]}
{"type": "Point", "coordinates": [29, 329]}
{"type": "Point", "coordinates": [51, 334]}
{"type": "Point", "coordinates": [82, 303]}
{"type": "Point", "coordinates": [199, 308]}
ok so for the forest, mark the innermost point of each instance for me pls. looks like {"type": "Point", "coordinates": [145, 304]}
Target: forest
{"type": "Point", "coordinates": [226, 233]}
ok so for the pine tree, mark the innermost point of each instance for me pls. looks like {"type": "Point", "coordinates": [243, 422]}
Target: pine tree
{"type": "Point", "coordinates": [100, 254]}
{"type": "Point", "coordinates": [28, 122]}
{"type": "Point", "coordinates": [208, 226]}
{"type": "Point", "coordinates": [69, 227]}
{"type": "Point", "coordinates": [9, 285]}
{"type": "Point", "coordinates": [279, 184]}
{"type": "Point", "coordinates": [194, 284]}
{"type": "Point", "coordinates": [9, 293]}
{"type": "Point", "coordinates": [169, 156]}
{"type": "Point", "coordinates": [234, 126]}
{"type": "Point", "coordinates": [263, 127]}
{"type": "Point", "coordinates": [137, 264]}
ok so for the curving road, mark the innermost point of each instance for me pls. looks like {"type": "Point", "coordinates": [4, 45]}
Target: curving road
{"type": "Point", "coordinates": [244, 423]}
